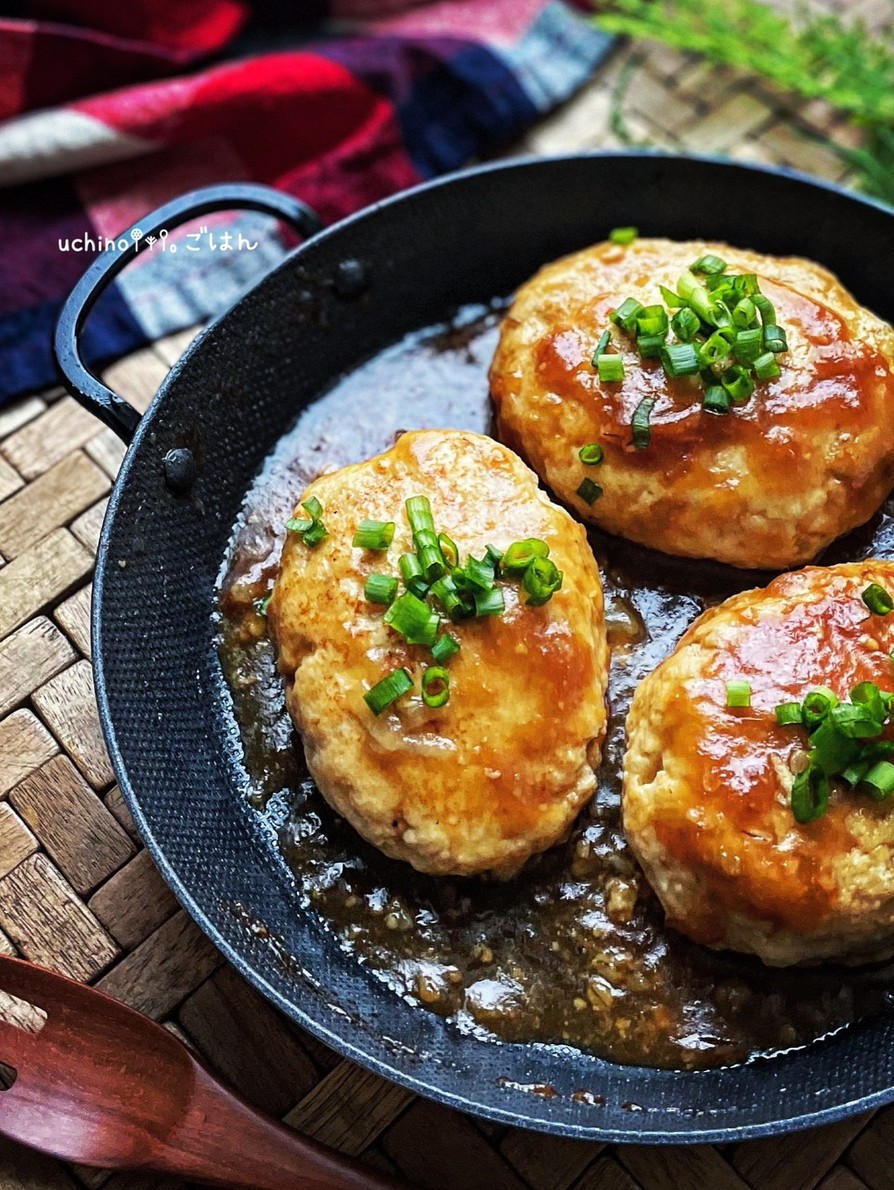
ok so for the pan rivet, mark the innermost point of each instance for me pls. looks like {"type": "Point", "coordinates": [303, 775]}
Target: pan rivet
{"type": "Point", "coordinates": [180, 470]}
{"type": "Point", "coordinates": [350, 280]}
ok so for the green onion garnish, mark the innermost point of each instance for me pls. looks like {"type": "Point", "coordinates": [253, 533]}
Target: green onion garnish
{"type": "Point", "coordinates": [810, 795]}
{"type": "Point", "coordinates": [374, 535]}
{"type": "Point", "coordinates": [489, 603]}
{"type": "Point", "coordinates": [541, 580]}
{"type": "Point", "coordinates": [388, 690]}
{"type": "Point", "coordinates": [589, 492]}
{"type": "Point", "coordinates": [435, 686]}
{"type": "Point", "coordinates": [788, 713]}
{"type": "Point", "coordinates": [672, 300]}
{"type": "Point", "coordinates": [444, 648]}
{"type": "Point", "coordinates": [261, 605]}
{"type": "Point", "coordinates": [453, 603]}
{"type": "Point", "coordinates": [419, 514]}
{"type": "Point", "coordinates": [748, 345]}
{"type": "Point", "coordinates": [521, 554]}
{"type": "Point", "coordinates": [448, 549]}
{"type": "Point", "coordinates": [744, 312]}
{"type": "Point", "coordinates": [652, 321]}
{"type": "Point", "coordinates": [716, 399]}
{"type": "Point", "coordinates": [766, 367]}
{"type": "Point", "coordinates": [413, 620]}
{"type": "Point", "coordinates": [774, 339]}
{"type": "Point", "coordinates": [709, 263]}
{"type": "Point", "coordinates": [765, 308]}
{"type": "Point", "coordinates": [649, 346]}
{"type": "Point", "coordinates": [610, 368]}
{"type": "Point", "coordinates": [738, 694]}
{"type": "Point", "coordinates": [714, 350]}
{"type": "Point", "coordinates": [311, 531]}
{"type": "Point", "coordinates": [626, 314]}
{"type": "Point", "coordinates": [878, 782]}
{"type": "Point", "coordinates": [380, 588]}
{"type": "Point", "coordinates": [591, 454]}
{"type": "Point", "coordinates": [641, 424]}
{"type": "Point", "coordinates": [411, 573]}
{"type": "Point", "coordinates": [601, 347]}
{"type": "Point", "coordinates": [738, 384]}
{"type": "Point", "coordinates": [685, 324]}
{"type": "Point", "coordinates": [679, 359]}
{"type": "Point", "coordinates": [623, 235]}
{"type": "Point", "coordinates": [878, 600]}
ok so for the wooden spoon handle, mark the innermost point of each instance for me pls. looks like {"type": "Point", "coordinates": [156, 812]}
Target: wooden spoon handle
{"type": "Point", "coordinates": [224, 1142]}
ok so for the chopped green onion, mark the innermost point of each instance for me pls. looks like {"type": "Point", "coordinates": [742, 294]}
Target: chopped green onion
{"type": "Point", "coordinates": [765, 308]}
{"type": "Point", "coordinates": [774, 339]}
{"type": "Point", "coordinates": [745, 285]}
{"type": "Point", "coordinates": [738, 384]}
{"type": "Point", "coordinates": [380, 588]}
{"type": "Point", "coordinates": [479, 574]}
{"type": "Point", "coordinates": [591, 454]}
{"type": "Point", "coordinates": [714, 350]}
{"type": "Point", "coordinates": [435, 686]}
{"type": "Point", "coordinates": [374, 535]}
{"type": "Point", "coordinates": [411, 572]}
{"type": "Point", "coordinates": [878, 600]}
{"type": "Point", "coordinates": [419, 514]}
{"type": "Point", "coordinates": [747, 346]}
{"type": "Point", "coordinates": [788, 713]}
{"type": "Point", "coordinates": [601, 347]}
{"type": "Point", "coordinates": [641, 423]}
{"type": "Point", "coordinates": [652, 320]}
{"type": "Point", "coordinates": [695, 294]}
{"type": "Point", "coordinates": [519, 556]}
{"type": "Point", "coordinates": [649, 346]}
{"type": "Point", "coordinates": [261, 605]}
{"type": "Point", "coordinates": [312, 531]}
{"type": "Point", "coordinates": [716, 399]}
{"type": "Point", "coordinates": [449, 549]}
{"type": "Point", "coordinates": [626, 314]}
{"type": "Point", "coordinates": [679, 359]}
{"type": "Point", "coordinates": [444, 590]}
{"type": "Point", "coordinates": [388, 690]}
{"type": "Point", "coordinates": [313, 508]}
{"type": "Point", "coordinates": [428, 550]}
{"type": "Point", "coordinates": [744, 312]}
{"type": "Point", "coordinates": [766, 367]}
{"type": "Point", "coordinates": [709, 263]}
{"type": "Point", "coordinates": [623, 235]}
{"type": "Point", "coordinates": [489, 603]}
{"type": "Point", "coordinates": [685, 324]}
{"type": "Point", "coordinates": [589, 492]}
{"type": "Point", "coordinates": [831, 750]}
{"type": "Point", "coordinates": [610, 368]}
{"type": "Point", "coordinates": [879, 781]}
{"type": "Point", "coordinates": [810, 795]}
{"type": "Point", "coordinates": [541, 580]}
{"type": "Point", "coordinates": [495, 556]}
{"type": "Point", "coordinates": [671, 299]}
{"type": "Point", "coordinates": [738, 694]}
{"type": "Point", "coordinates": [444, 648]}
{"type": "Point", "coordinates": [854, 721]}
{"type": "Point", "coordinates": [413, 619]}
{"type": "Point", "coordinates": [817, 705]}
{"type": "Point", "coordinates": [868, 695]}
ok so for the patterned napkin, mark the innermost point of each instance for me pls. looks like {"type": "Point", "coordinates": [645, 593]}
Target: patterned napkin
{"type": "Point", "coordinates": [108, 109]}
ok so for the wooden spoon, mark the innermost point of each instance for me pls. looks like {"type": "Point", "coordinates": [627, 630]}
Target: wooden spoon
{"type": "Point", "coordinates": [103, 1085]}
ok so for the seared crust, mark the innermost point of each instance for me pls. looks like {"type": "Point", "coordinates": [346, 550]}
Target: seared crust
{"type": "Point", "coordinates": [809, 457]}
{"type": "Point", "coordinates": [707, 789]}
{"type": "Point", "coordinates": [501, 771]}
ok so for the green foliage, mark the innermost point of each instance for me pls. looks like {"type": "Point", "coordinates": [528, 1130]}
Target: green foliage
{"type": "Point", "coordinates": [817, 57]}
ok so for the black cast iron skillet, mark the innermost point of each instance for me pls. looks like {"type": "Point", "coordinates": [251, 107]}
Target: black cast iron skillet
{"type": "Point", "coordinates": [167, 716]}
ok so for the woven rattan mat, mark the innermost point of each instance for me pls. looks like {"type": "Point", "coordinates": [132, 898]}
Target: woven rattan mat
{"type": "Point", "coordinates": [78, 893]}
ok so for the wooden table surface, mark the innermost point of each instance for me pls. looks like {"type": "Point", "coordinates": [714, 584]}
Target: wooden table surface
{"type": "Point", "coordinates": [78, 892]}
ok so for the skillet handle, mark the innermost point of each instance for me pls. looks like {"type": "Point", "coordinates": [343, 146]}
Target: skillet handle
{"type": "Point", "coordinates": [83, 385]}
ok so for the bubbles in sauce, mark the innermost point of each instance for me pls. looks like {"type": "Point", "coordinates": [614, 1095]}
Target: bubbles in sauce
{"type": "Point", "coordinates": [574, 950]}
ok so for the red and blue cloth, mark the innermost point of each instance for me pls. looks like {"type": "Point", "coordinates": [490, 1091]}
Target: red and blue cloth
{"type": "Point", "coordinates": [108, 109]}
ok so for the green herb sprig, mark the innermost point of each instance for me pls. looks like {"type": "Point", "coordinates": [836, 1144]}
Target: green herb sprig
{"type": "Point", "coordinates": [817, 56]}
